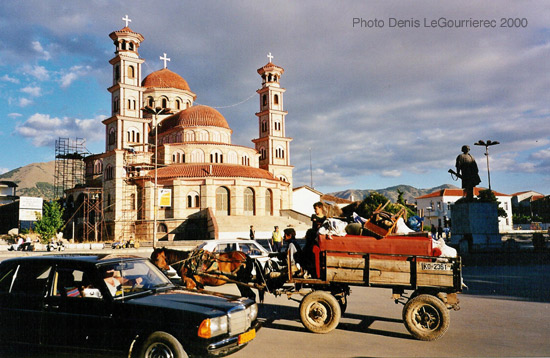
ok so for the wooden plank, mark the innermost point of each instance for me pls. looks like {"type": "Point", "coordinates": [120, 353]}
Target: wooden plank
{"type": "Point", "coordinates": [345, 262]}
{"type": "Point", "coordinates": [434, 280]}
{"type": "Point", "coordinates": [346, 275]}
{"type": "Point", "coordinates": [390, 265]}
{"type": "Point", "coordinates": [389, 278]}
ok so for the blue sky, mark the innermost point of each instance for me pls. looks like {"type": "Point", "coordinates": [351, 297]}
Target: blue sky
{"type": "Point", "coordinates": [375, 106]}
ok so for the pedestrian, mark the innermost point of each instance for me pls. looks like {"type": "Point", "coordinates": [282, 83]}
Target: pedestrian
{"type": "Point", "coordinates": [439, 232]}
{"type": "Point", "coordinates": [276, 240]}
{"type": "Point", "coordinates": [252, 232]}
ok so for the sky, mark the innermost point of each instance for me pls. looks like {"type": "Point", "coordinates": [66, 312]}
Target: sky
{"type": "Point", "coordinates": [378, 93]}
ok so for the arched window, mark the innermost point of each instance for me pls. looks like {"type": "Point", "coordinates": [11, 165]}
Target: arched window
{"type": "Point", "coordinates": [222, 201]}
{"type": "Point", "coordinates": [283, 178]}
{"type": "Point", "coordinates": [264, 100]}
{"type": "Point", "coordinates": [216, 156]}
{"type": "Point", "coordinates": [202, 136]}
{"type": "Point", "coordinates": [164, 102]}
{"type": "Point", "coordinates": [109, 172]}
{"type": "Point", "coordinates": [98, 167]}
{"type": "Point", "coordinates": [197, 156]}
{"type": "Point", "coordinates": [117, 73]}
{"type": "Point", "coordinates": [131, 72]}
{"type": "Point", "coordinates": [116, 105]}
{"type": "Point", "coordinates": [189, 136]}
{"type": "Point", "coordinates": [232, 157]}
{"type": "Point", "coordinates": [112, 136]}
{"type": "Point", "coordinates": [133, 135]}
{"type": "Point", "coordinates": [215, 136]}
{"type": "Point", "coordinates": [264, 126]}
{"type": "Point", "coordinates": [162, 228]}
{"type": "Point", "coordinates": [268, 202]}
{"type": "Point", "coordinates": [132, 201]}
{"type": "Point", "coordinates": [150, 101]}
{"type": "Point", "coordinates": [178, 104]}
{"type": "Point", "coordinates": [178, 157]}
{"type": "Point", "coordinates": [263, 153]}
{"type": "Point", "coordinates": [245, 160]}
{"type": "Point", "coordinates": [131, 46]}
{"type": "Point", "coordinates": [249, 207]}
{"type": "Point", "coordinates": [276, 99]}
{"type": "Point", "coordinates": [279, 153]}
{"type": "Point", "coordinates": [193, 200]}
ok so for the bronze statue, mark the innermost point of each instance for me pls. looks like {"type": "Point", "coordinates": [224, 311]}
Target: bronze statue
{"type": "Point", "coordinates": [466, 169]}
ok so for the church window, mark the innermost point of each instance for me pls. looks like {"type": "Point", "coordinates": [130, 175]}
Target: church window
{"type": "Point", "coordinates": [202, 136]}
{"type": "Point", "coordinates": [269, 78]}
{"type": "Point", "coordinates": [133, 135]}
{"type": "Point", "coordinates": [283, 178]}
{"type": "Point", "coordinates": [216, 157]}
{"type": "Point", "coordinates": [268, 202]}
{"type": "Point", "coordinates": [264, 100]}
{"type": "Point", "coordinates": [224, 138]}
{"type": "Point", "coordinates": [131, 47]}
{"type": "Point", "coordinates": [276, 99]}
{"type": "Point", "coordinates": [249, 207]}
{"type": "Point", "coordinates": [190, 136]}
{"type": "Point", "coordinates": [232, 157]}
{"type": "Point", "coordinates": [131, 72]}
{"type": "Point", "coordinates": [178, 104]}
{"type": "Point", "coordinates": [162, 228]}
{"type": "Point", "coordinates": [215, 136]}
{"type": "Point", "coordinates": [115, 105]}
{"type": "Point", "coordinates": [263, 153]}
{"type": "Point", "coordinates": [178, 157]}
{"type": "Point", "coordinates": [164, 103]}
{"type": "Point", "coordinates": [277, 126]}
{"type": "Point", "coordinates": [193, 200]}
{"type": "Point", "coordinates": [197, 156]}
{"type": "Point", "coordinates": [98, 167]}
{"type": "Point", "coordinates": [112, 136]}
{"type": "Point", "coordinates": [245, 160]}
{"type": "Point", "coordinates": [117, 73]}
{"type": "Point", "coordinates": [109, 172]}
{"type": "Point", "coordinates": [222, 201]}
{"type": "Point", "coordinates": [264, 126]}
{"type": "Point", "coordinates": [150, 102]}
{"type": "Point", "coordinates": [279, 152]}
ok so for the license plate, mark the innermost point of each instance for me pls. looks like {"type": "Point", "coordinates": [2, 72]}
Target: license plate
{"type": "Point", "coordinates": [247, 336]}
{"type": "Point", "coordinates": [435, 266]}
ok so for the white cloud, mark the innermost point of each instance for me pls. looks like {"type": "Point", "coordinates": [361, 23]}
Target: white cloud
{"type": "Point", "coordinates": [33, 91]}
{"type": "Point", "coordinates": [38, 72]}
{"type": "Point", "coordinates": [73, 75]}
{"type": "Point", "coordinates": [38, 48]}
{"type": "Point", "coordinates": [43, 129]}
{"type": "Point", "coordinates": [24, 102]}
{"type": "Point", "coordinates": [7, 78]}
{"type": "Point", "coordinates": [14, 115]}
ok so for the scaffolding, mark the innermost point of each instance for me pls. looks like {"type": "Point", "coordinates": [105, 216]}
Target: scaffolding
{"type": "Point", "coordinates": [69, 164]}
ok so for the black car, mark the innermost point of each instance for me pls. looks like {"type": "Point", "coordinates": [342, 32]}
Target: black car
{"type": "Point", "coordinates": [116, 303]}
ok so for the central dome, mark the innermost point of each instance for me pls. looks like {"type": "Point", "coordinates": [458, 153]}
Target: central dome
{"type": "Point", "coordinates": [195, 116]}
{"type": "Point", "coordinates": [165, 79]}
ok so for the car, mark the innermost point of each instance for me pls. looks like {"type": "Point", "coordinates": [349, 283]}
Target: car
{"type": "Point", "coordinates": [250, 247]}
{"type": "Point", "coordinates": [116, 303]}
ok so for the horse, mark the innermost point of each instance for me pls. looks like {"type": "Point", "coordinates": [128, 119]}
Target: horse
{"type": "Point", "coordinates": [198, 268]}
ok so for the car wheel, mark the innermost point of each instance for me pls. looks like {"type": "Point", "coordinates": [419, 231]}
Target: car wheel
{"type": "Point", "coordinates": [320, 312]}
{"type": "Point", "coordinates": [426, 317]}
{"type": "Point", "coordinates": [161, 345]}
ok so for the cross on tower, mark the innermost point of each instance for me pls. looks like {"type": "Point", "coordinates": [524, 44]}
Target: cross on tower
{"type": "Point", "coordinates": [164, 58]}
{"type": "Point", "coordinates": [127, 19]}
{"type": "Point", "coordinates": [270, 57]}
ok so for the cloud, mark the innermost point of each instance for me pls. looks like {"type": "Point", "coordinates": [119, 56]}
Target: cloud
{"type": "Point", "coordinates": [38, 72]}
{"type": "Point", "coordinates": [33, 91]}
{"type": "Point", "coordinates": [38, 48]}
{"type": "Point", "coordinates": [74, 73]}
{"type": "Point", "coordinates": [7, 78]}
{"type": "Point", "coordinates": [24, 102]}
{"type": "Point", "coordinates": [43, 129]}
{"type": "Point", "coordinates": [15, 115]}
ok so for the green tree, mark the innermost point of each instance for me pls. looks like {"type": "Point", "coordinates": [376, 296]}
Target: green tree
{"type": "Point", "coordinates": [50, 222]}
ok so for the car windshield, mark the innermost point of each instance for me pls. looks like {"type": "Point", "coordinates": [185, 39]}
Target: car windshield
{"type": "Point", "coordinates": [127, 278]}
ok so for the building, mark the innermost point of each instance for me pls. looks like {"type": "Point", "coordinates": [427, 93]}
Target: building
{"type": "Point", "coordinates": [436, 207]}
{"type": "Point", "coordinates": [205, 184]}
{"type": "Point", "coordinates": [522, 202]}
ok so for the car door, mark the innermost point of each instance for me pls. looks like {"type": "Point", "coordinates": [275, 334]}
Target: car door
{"type": "Point", "coordinates": [76, 314]}
{"type": "Point", "coordinates": [22, 290]}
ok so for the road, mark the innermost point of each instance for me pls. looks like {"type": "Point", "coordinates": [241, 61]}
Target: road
{"type": "Point", "coordinates": [505, 312]}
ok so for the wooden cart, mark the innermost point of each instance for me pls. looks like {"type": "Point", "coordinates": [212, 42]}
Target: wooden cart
{"type": "Point", "coordinates": [434, 283]}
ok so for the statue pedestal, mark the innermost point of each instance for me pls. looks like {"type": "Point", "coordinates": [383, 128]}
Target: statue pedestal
{"type": "Point", "coordinates": [474, 227]}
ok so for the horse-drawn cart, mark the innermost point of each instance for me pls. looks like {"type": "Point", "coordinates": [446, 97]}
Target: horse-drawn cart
{"type": "Point", "coordinates": [401, 263]}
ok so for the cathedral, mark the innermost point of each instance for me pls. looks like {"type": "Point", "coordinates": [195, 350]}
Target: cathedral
{"type": "Point", "coordinates": [171, 163]}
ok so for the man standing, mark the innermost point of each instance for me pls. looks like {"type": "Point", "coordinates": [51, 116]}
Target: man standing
{"type": "Point", "coordinates": [466, 168]}
{"type": "Point", "coordinates": [276, 240]}
{"type": "Point", "coordinates": [252, 232]}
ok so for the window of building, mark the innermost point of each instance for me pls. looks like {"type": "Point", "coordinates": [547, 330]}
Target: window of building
{"type": "Point", "coordinates": [279, 153]}
{"type": "Point", "coordinates": [164, 102]}
{"type": "Point", "coordinates": [268, 202]}
{"type": "Point", "coordinates": [150, 102]}
{"type": "Point", "coordinates": [197, 156]}
{"type": "Point", "coordinates": [193, 200]}
{"type": "Point", "coordinates": [222, 201]}
{"type": "Point", "coordinates": [216, 157]}
{"type": "Point", "coordinates": [112, 136]}
{"type": "Point", "coordinates": [162, 228]}
{"type": "Point", "coordinates": [117, 73]}
{"type": "Point", "coordinates": [245, 160]}
{"type": "Point", "coordinates": [232, 157]}
{"type": "Point", "coordinates": [178, 157]}
{"type": "Point", "coordinates": [276, 99]}
{"type": "Point", "coordinates": [109, 172]}
{"type": "Point", "coordinates": [131, 71]}
{"type": "Point", "coordinates": [263, 153]}
{"type": "Point", "coordinates": [249, 207]}
{"type": "Point", "coordinates": [264, 100]}
{"type": "Point", "coordinates": [178, 104]}
{"type": "Point", "coordinates": [264, 126]}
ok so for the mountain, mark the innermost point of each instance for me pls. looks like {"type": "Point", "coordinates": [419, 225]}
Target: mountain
{"type": "Point", "coordinates": [35, 179]}
{"type": "Point", "coordinates": [409, 192]}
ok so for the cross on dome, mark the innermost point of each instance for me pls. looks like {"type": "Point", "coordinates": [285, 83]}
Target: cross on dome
{"type": "Point", "coordinates": [127, 19]}
{"type": "Point", "coordinates": [164, 58]}
{"type": "Point", "coordinates": [270, 57]}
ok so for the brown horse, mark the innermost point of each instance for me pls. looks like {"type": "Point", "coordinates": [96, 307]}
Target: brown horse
{"type": "Point", "coordinates": [200, 267]}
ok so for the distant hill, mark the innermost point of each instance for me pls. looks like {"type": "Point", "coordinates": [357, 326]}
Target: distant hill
{"type": "Point", "coordinates": [409, 192]}
{"type": "Point", "coordinates": [35, 179]}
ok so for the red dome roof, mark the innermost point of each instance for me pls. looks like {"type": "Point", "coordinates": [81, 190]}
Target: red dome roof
{"type": "Point", "coordinates": [165, 79]}
{"type": "Point", "coordinates": [194, 116]}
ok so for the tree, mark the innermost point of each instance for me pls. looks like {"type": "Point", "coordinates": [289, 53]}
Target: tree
{"type": "Point", "coordinates": [50, 222]}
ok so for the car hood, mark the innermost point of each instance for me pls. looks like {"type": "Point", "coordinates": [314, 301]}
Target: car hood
{"type": "Point", "coordinates": [204, 301]}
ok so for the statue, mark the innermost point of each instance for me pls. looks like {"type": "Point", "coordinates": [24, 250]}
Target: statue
{"type": "Point", "coordinates": [466, 169]}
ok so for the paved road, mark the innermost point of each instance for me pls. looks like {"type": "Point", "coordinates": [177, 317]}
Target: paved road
{"type": "Point", "coordinates": [505, 312]}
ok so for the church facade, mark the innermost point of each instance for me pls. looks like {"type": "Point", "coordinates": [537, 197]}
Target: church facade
{"type": "Point", "coordinates": [171, 163]}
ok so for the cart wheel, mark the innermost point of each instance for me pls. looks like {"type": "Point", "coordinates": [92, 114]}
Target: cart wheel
{"type": "Point", "coordinates": [426, 317]}
{"type": "Point", "coordinates": [320, 312]}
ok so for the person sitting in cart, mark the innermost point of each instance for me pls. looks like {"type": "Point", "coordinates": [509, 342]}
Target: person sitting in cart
{"type": "Point", "coordinates": [291, 246]}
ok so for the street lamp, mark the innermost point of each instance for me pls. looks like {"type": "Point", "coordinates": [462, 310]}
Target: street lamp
{"type": "Point", "coordinates": [487, 145]}
{"type": "Point", "coordinates": [155, 112]}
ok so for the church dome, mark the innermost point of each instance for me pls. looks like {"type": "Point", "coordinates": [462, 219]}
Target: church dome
{"type": "Point", "coordinates": [165, 79]}
{"type": "Point", "coordinates": [195, 116]}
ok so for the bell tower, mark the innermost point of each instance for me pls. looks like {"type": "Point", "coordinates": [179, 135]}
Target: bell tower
{"type": "Point", "coordinates": [126, 128]}
{"type": "Point", "coordinates": [272, 143]}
